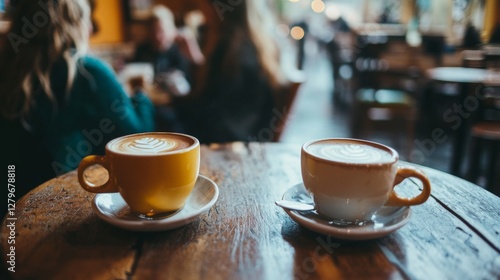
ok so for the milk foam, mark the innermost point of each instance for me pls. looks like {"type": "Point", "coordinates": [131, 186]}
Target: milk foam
{"type": "Point", "coordinates": [150, 144]}
{"type": "Point", "coordinates": [349, 152]}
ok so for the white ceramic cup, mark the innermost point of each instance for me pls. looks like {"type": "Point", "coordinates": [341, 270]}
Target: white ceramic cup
{"type": "Point", "coordinates": [350, 179]}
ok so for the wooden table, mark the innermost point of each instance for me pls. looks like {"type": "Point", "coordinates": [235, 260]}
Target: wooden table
{"type": "Point", "coordinates": [465, 77]}
{"type": "Point", "coordinates": [454, 235]}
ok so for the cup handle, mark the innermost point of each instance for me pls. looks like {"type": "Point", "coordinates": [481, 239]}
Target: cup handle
{"type": "Point", "coordinates": [108, 187]}
{"type": "Point", "coordinates": [403, 173]}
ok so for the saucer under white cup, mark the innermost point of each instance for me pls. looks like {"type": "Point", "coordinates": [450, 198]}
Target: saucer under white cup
{"type": "Point", "coordinates": [111, 208]}
{"type": "Point", "coordinates": [385, 221]}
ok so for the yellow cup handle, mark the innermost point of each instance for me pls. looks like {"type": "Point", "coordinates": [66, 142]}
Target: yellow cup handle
{"type": "Point", "coordinates": [403, 173]}
{"type": "Point", "coordinates": [107, 187]}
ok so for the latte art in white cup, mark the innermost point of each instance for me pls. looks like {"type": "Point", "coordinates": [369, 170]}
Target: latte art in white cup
{"type": "Point", "coordinates": [349, 152]}
{"type": "Point", "coordinates": [150, 144]}
{"type": "Point", "coordinates": [350, 179]}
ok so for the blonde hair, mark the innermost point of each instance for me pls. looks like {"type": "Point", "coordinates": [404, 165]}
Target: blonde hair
{"type": "Point", "coordinates": [57, 29]}
{"type": "Point", "coordinates": [163, 14]}
{"type": "Point", "coordinates": [260, 22]}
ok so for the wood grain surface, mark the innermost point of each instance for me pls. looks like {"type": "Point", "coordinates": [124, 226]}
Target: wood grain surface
{"type": "Point", "coordinates": [454, 235]}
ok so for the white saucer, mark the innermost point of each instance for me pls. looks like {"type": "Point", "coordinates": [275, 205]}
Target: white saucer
{"type": "Point", "coordinates": [386, 220]}
{"type": "Point", "coordinates": [112, 208]}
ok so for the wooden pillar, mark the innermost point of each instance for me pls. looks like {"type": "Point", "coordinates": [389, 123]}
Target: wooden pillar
{"type": "Point", "coordinates": [491, 18]}
{"type": "Point", "coordinates": [408, 11]}
{"type": "Point", "coordinates": [109, 17]}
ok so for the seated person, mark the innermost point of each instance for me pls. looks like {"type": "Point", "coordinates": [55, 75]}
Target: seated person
{"type": "Point", "coordinates": [172, 53]}
{"type": "Point", "coordinates": [472, 38]}
{"type": "Point", "coordinates": [167, 47]}
{"type": "Point", "coordinates": [57, 104]}
{"type": "Point", "coordinates": [234, 98]}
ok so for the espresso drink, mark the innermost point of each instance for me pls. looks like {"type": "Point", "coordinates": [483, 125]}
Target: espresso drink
{"type": "Point", "coordinates": [151, 144]}
{"type": "Point", "coordinates": [349, 152]}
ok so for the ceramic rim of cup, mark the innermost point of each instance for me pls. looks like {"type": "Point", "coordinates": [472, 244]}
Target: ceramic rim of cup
{"type": "Point", "coordinates": [394, 153]}
{"type": "Point", "coordinates": [185, 150]}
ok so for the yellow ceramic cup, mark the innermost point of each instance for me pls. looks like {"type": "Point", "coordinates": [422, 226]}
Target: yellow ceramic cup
{"type": "Point", "coordinates": [154, 172]}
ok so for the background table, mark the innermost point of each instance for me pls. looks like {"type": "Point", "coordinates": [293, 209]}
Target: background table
{"type": "Point", "coordinates": [454, 235]}
{"type": "Point", "coordinates": [466, 78]}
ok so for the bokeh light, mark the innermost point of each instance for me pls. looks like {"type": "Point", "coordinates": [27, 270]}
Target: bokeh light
{"type": "Point", "coordinates": [282, 30]}
{"type": "Point", "coordinates": [332, 12]}
{"type": "Point", "coordinates": [318, 6]}
{"type": "Point", "coordinates": [297, 32]}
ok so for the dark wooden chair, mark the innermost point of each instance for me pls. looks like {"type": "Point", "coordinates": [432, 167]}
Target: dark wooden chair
{"type": "Point", "coordinates": [473, 59]}
{"type": "Point", "coordinates": [381, 101]}
{"type": "Point", "coordinates": [394, 108]}
{"type": "Point", "coordinates": [283, 102]}
{"type": "Point", "coordinates": [485, 140]}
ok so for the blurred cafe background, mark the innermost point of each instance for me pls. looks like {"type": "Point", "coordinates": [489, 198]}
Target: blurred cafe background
{"type": "Point", "coordinates": [413, 74]}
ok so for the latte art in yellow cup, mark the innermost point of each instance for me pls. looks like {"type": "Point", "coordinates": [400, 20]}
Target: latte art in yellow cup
{"type": "Point", "coordinates": [350, 179]}
{"type": "Point", "coordinates": [153, 172]}
{"type": "Point", "coordinates": [145, 144]}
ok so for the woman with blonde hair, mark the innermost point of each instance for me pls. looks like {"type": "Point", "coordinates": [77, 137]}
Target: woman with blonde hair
{"type": "Point", "coordinates": [234, 98]}
{"type": "Point", "coordinates": [58, 104]}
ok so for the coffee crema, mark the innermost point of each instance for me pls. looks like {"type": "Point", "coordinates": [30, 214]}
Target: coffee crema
{"type": "Point", "coordinates": [349, 152]}
{"type": "Point", "coordinates": [151, 144]}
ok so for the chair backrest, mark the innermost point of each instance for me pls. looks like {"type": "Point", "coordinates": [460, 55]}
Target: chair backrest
{"type": "Point", "coordinates": [492, 60]}
{"type": "Point", "coordinates": [283, 102]}
{"type": "Point", "coordinates": [473, 59]}
{"type": "Point", "coordinates": [489, 109]}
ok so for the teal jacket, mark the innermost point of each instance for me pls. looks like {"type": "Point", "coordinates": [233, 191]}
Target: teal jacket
{"type": "Point", "coordinates": [95, 111]}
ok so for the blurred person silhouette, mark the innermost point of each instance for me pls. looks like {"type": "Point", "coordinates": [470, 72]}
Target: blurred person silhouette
{"type": "Point", "coordinates": [233, 98]}
{"type": "Point", "coordinates": [386, 16]}
{"type": "Point", "coordinates": [167, 46]}
{"type": "Point", "coordinates": [173, 53]}
{"type": "Point", "coordinates": [472, 38]}
{"type": "Point", "coordinates": [301, 43]}
{"type": "Point", "coordinates": [341, 59]}
{"type": "Point", "coordinates": [57, 103]}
